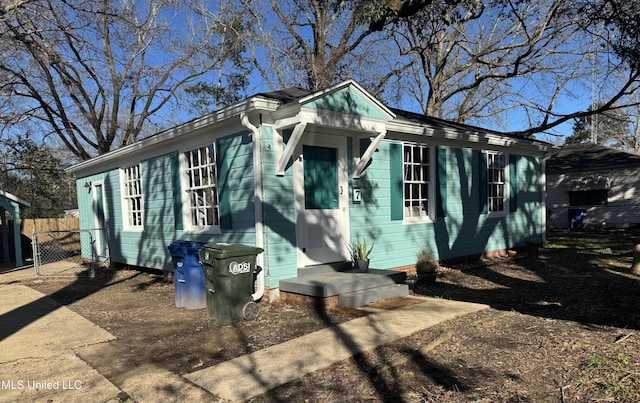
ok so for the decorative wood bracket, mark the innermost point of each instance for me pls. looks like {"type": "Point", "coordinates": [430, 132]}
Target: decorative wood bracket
{"type": "Point", "coordinates": [368, 153]}
{"type": "Point", "coordinates": [291, 146]}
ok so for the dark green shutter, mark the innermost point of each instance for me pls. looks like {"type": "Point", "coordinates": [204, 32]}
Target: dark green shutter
{"type": "Point", "coordinates": [177, 191]}
{"type": "Point", "coordinates": [364, 144]}
{"type": "Point", "coordinates": [513, 183]}
{"type": "Point", "coordinates": [224, 186]}
{"type": "Point", "coordinates": [395, 172]}
{"type": "Point", "coordinates": [482, 181]}
{"type": "Point", "coordinates": [441, 182]}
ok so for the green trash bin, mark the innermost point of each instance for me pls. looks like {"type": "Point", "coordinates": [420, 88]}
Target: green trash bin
{"type": "Point", "coordinates": [229, 269]}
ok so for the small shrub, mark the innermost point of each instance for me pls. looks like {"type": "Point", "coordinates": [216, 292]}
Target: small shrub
{"type": "Point", "coordinates": [425, 263]}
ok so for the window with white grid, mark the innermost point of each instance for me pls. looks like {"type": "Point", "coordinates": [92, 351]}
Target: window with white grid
{"type": "Point", "coordinates": [201, 208]}
{"type": "Point", "coordinates": [496, 182]}
{"type": "Point", "coordinates": [417, 175]}
{"type": "Point", "coordinates": [132, 196]}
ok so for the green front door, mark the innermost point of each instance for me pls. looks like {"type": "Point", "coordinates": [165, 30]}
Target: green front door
{"type": "Point", "coordinates": [320, 178]}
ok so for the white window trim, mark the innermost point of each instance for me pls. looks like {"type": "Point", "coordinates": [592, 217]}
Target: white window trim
{"type": "Point", "coordinates": [431, 202]}
{"type": "Point", "coordinates": [507, 197]}
{"type": "Point", "coordinates": [188, 227]}
{"type": "Point", "coordinates": [125, 205]}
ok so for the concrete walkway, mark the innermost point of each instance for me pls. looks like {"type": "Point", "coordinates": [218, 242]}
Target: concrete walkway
{"type": "Point", "coordinates": [37, 362]}
{"type": "Point", "coordinates": [251, 375]}
{"type": "Point", "coordinates": [39, 339]}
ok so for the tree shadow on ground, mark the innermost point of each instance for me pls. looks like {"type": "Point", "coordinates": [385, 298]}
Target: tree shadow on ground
{"type": "Point", "coordinates": [20, 317]}
{"type": "Point", "coordinates": [587, 282]}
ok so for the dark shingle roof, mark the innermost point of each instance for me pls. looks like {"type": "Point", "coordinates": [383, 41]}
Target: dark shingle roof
{"type": "Point", "coordinates": [437, 122]}
{"type": "Point", "coordinates": [286, 95]}
{"type": "Point", "coordinates": [590, 157]}
{"type": "Point", "coordinates": [290, 94]}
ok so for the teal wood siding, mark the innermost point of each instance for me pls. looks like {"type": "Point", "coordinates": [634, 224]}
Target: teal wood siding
{"type": "Point", "coordinates": [348, 101]}
{"type": "Point", "coordinates": [238, 187]}
{"type": "Point", "coordinates": [224, 161]}
{"type": "Point", "coordinates": [148, 248]}
{"type": "Point", "coordinates": [85, 209]}
{"type": "Point", "coordinates": [465, 230]}
{"type": "Point", "coordinates": [162, 209]}
{"type": "Point", "coordinates": [279, 217]}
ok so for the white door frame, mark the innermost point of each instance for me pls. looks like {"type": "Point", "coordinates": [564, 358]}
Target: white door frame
{"type": "Point", "coordinates": [100, 226]}
{"type": "Point", "coordinates": [302, 227]}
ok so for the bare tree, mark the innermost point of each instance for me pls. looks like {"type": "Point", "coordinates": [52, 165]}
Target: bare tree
{"type": "Point", "coordinates": [315, 43]}
{"type": "Point", "coordinates": [471, 60]}
{"type": "Point", "coordinates": [95, 74]}
{"type": "Point", "coordinates": [506, 58]}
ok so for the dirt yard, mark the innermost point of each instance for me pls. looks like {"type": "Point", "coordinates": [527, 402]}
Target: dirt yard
{"type": "Point", "coordinates": [563, 326]}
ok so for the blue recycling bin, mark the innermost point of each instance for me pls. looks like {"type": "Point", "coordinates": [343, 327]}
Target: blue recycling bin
{"type": "Point", "coordinates": [576, 218]}
{"type": "Point", "coordinates": [188, 276]}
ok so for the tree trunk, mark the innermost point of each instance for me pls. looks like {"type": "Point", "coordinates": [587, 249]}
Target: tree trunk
{"type": "Point", "coordinates": [635, 268]}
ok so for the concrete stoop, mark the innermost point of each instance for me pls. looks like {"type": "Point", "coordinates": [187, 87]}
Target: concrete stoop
{"type": "Point", "coordinates": [353, 289]}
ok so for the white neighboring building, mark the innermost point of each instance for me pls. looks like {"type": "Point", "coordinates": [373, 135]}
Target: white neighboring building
{"type": "Point", "coordinates": [589, 185]}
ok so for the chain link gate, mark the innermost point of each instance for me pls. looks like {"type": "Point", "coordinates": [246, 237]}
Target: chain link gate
{"type": "Point", "coordinates": [68, 253]}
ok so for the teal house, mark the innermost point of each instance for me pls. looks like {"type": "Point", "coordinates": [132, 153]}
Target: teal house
{"type": "Point", "coordinates": [300, 174]}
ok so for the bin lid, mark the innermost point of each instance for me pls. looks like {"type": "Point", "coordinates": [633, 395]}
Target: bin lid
{"type": "Point", "coordinates": [181, 248]}
{"type": "Point", "coordinates": [225, 250]}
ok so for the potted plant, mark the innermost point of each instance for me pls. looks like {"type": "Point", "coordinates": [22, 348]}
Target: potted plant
{"type": "Point", "coordinates": [360, 253]}
{"type": "Point", "coordinates": [426, 268]}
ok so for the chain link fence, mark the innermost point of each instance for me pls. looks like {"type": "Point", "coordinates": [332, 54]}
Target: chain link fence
{"type": "Point", "coordinates": [69, 253]}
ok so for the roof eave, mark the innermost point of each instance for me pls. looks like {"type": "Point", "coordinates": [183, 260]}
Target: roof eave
{"type": "Point", "coordinates": [413, 127]}
{"type": "Point", "coordinates": [225, 114]}
{"type": "Point", "coordinates": [15, 198]}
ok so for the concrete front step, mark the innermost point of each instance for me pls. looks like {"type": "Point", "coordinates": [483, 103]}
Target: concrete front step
{"type": "Point", "coordinates": [360, 298]}
{"type": "Point", "coordinates": [328, 282]}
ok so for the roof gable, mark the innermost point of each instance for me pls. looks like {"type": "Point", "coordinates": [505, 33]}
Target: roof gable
{"type": "Point", "coordinates": [348, 98]}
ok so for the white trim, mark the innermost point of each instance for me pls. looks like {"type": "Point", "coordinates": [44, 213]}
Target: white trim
{"type": "Point", "coordinates": [14, 198]}
{"type": "Point", "coordinates": [476, 139]}
{"type": "Point", "coordinates": [188, 129]}
{"type": "Point", "coordinates": [124, 210]}
{"type": "Point", "coordinates": [361, 162]}
{"type": "Point", "coordinates": [283, 160]}
{"type": "Point", "coordinates": [187, 225]}
{"type": "Point", "coordinates": [543, 180]}
{"type": "Point", "coordinates": [431, 213]}
{"type": "Point", "coordinates": [506, 200]}
{"type": "Point", "coordinates": [100, 231]}
{"type": "Point", "coordinates": [256, 142]}
{"type": "Point", "coordinates": [320, 119]}
{"type": "Point", "coordinates": [340, 144]}
{"type": "Point", "coordinates": [344, 121]}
